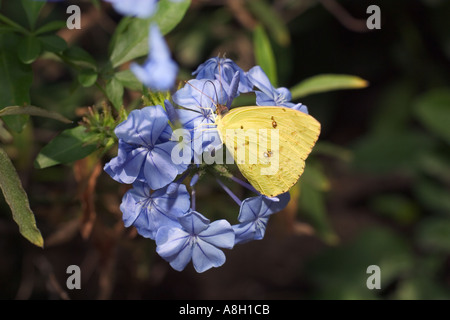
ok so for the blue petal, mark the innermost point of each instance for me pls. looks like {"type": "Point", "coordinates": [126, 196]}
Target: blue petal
{"type": "Point", "coordinates": [194, 222]}
{"type": "Point", "coordinates": [171, 242]}
{"type": "Point", "coordinates": [131, 205]}
{"type": "Point", "coordinates": [219, 234]}
{"type": "Point", "coordinates": [244, 232]}
{"type": "Point", "coordinates": [137, 8]}
{"type": "Point", "coordinates": [129, 171]}
{"type": "Point", "coordinates": [223, 70]}
{"type": "Point", "coordinates": [190, 119]}
{"type": "Point", "coordinates": [300, 107]}
{"type": "Point", "coordinates": [180, 261]}
{"type": "Point", "coordinates": [175, 204]}
{"type": "Point", "coordinates": [201, 95]}
{"type": "Point", "coordinates": [260, 80]}
{"type": "Point", "coordinates": [260, 206]}
{"type": "Point", "coordinates": [159, 71]}
{"type": "Point", "coordinates": [260, 228]}
{"type": "Point", "coordinates": [144, 126]}
{"type": "Point", "coordinates": [171, 112]}
{"type": "Point", "coordinates": [263, 99]}
{"type": "Point", "coordinates": [206, 256]}
{"type": "Point", "coordinates": [156, 75]}
{"type": "Point", "coordinates": [159, 170]}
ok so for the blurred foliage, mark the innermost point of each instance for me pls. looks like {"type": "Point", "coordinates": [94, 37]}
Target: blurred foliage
{"type": "Point", "coordinates": [375, 190]}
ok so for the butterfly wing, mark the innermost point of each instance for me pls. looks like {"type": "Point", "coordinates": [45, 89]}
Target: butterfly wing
{"type": "Point", "coordinates": [269, 144]}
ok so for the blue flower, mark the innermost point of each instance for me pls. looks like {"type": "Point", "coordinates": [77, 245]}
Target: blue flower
{"type": "Point", "coordinates": [270, 96]}
{"type": "Point", "coordinates": [223, 70]}
{"type": "Point", "coordinates": [148, 211]}
{"type": "Point", "coordinates": [195, 239]}
{"type": "Point", "coordinates": [145, 149]}
{"type": "Point", "coordinates": [199, 99]}
{"type": "Point", "coordinates": [159, 71]}
{"type": "Point", "coordinates": [254, 214]}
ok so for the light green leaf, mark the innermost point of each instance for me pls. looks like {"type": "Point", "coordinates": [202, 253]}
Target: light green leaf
{"type": "Point", "coordinates": [170, 14]}
{"type": "Point", "coordinates": [33, 111]}
{"type": "Point", "coordinates": [51, 26]}
{"type": "Point", "coordinates": [87, 78]}
{"type": "Point", "coordinates": [264, 55]}
{"type": "Point", "coordinates": [71, 145]}
{"type": "Point", "coordinates": [432, 109]}
{"type": "Point", "coordinates": [130, 42]}
{"type": "Point", "coordinates": [326, 82]}
{"type": "Point", "coordinates": [114, 91]}
{"type": "Point", "coordinates": [17, 200]}
{"type": "Point", "coordinates": [29, 49]}
{"type": "Point", "coordinates": [128, 80]}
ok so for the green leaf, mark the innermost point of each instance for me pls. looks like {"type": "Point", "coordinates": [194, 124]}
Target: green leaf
{"type": "Point", "coordinates": [71, 145]}
{"type": "Point", "coordinates": [128, 80]}
{"type": "Point", "coordinates": [87, 78]}
{"type": "Point", "coordinates": [434, 234]}
{"type": "Point", "coordinates": [432, 109]}
{"type": "Point", "coordinates": [15, 81]}
{"type": "Point", "coordinates": [170, 14]}
{"type": "Point", "coordinates": [80, 57]}
{"type": "Point", "coordinates": [313, 183]}
{"type": "Point", "coordinates": [326, 82]}
{"type": "Point", "coordinates": [432, 195]}
{"type": "Point", "coordinates": [54, 43]}
{"type": "Point", "coordinates": [51, 26]}
{"type": "Point", "coordinates": [397, 207]}
{"type": "Point", "coordinates": [271, 20]}
{"type": "Point", "coordinates": [130, 40]}
{"type": "Point", "coordinates": [382, 153]}
{"type": "Point", "coordinates": [114, 91]}
{"type": "Point", "coordinates": [33, 111]}
{"type": "Point", "coordinates": [341, 272]}
{"type": "Point", "coordinates": [17, 200]}
{"type": "Point", "coordinates": [29, 49]}
{"type": "Point", "coordinates": [264, 55]}
{"type": "Point", "coordinates": [32, 9]}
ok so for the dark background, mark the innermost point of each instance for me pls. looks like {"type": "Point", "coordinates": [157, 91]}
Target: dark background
{"type": "Point", "coordinates": [375, 190]}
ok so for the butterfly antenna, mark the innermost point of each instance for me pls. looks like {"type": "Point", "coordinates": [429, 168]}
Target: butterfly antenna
{"type": "Point", "coordinates": [203, 94]}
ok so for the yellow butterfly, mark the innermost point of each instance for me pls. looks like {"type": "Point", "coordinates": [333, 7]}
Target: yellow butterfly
{"type": "Point", "coordinates": [269, 144]}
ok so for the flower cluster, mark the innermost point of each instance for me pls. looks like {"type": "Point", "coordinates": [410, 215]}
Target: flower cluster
{"type": "Point", "coordinates": [160, 205]}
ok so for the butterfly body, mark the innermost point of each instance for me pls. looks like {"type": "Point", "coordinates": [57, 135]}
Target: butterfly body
{"type": "Point", "coordinates": [269, 144]}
